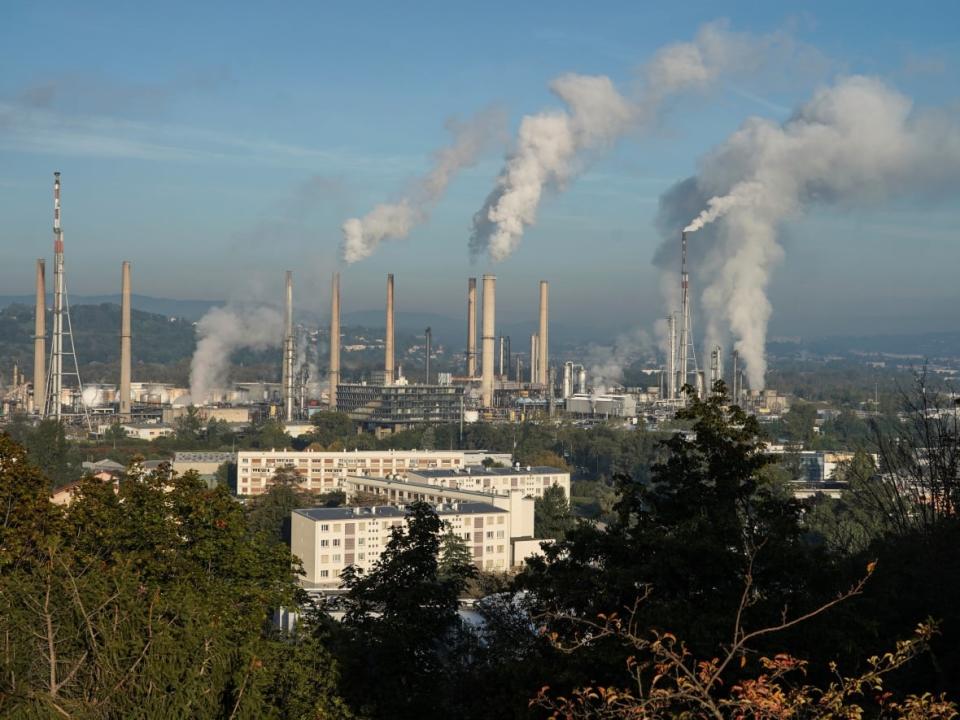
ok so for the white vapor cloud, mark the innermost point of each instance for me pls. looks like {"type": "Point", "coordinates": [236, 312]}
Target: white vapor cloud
{"type": "Point", "coordinates": [222, 331]}
{"type": "Point", "coordinates": [362, 236]}
{"type": "Point", "coordinates": [857, 142]}
{"type": "Point", "coordinates": [553, 146]}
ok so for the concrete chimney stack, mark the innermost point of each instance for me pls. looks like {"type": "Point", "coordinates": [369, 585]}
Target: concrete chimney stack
{"type": "Point", "coordinates": [472, 327]}
{"type": "Point", "coordinates": [388, 342]}
{"type": "Point", "coordinates": [334, 340]}
{"type": "Point", "coordinates": [289, 351]}
{"type": "Point", "coordinates": [489, 338]}
{"type": "Point", "coordinates": [543, 351]}
{"type": "Point", "coordinates": [125, 358]}
{"type": "Point", "coordinates": [534, 360]}
{"type": "Point", "coordinates": [40, 341]}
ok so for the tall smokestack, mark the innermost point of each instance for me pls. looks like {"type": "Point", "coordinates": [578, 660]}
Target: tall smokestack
{"type": "Point", "coordinates": [40, 341]}
{"type": "Point", "coordinates": [543, 351]}
{"type": "Point", "coordinates": [672, 359]}
{"type": "Point", "coordinates": [472, 327]}
{"type": "Point", "coordinates": [684, 314]}
{"type": "Point", "coordinates": [334, 340]}
{"type": "Point", "coordinates": [534, 360]}
{"type": "Point", "coordinates": [289, 351]}
{"type": "Point", "coordinates": [489, 338]}
{"type": "Point", "coordinates": [388, 374]}
{"type": "Point", "coordinates": [125, 359]}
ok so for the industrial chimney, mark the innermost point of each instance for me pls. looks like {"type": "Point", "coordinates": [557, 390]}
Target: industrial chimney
{"type": "Point", "coordinates": [543, 344]}
{"type": "Point", "coordinates": [388, 374]}
{"type": "Point", "coordinates": [289, 351]}
{"type": "Point", "coordinates": [40, 341]}
{"type": "Point", "coordinates": [471, 327]}
{"type": "Point", "coordinates": [534, 361]}
{"type": "Point", "coordinates": [125, 359]}
{"type": "Point", "coordinates": [489, 338]}
{"type": "Point", "coordinates": [334, 340]}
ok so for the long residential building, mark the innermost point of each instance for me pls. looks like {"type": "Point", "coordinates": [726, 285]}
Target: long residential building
{"type": "Point", "coordinates": [529, 480]}
{"type": "Point", "coordinates": [322, 471]}
{"type": "Point", "coordinates": [328, 540]}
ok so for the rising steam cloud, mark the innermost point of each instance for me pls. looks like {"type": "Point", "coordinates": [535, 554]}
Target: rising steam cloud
{"type": "Point", "coordinates": [553, 146]}
{"type": "Point", "coordinates": [362, 236]}
{"type": "Point", "coordinates": [222, 331]}
{"type": "Point", "coordinates": [855, 143]}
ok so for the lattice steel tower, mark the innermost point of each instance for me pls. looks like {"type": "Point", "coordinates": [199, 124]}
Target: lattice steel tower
{"type": "Point", "coordinates": [63, 356]}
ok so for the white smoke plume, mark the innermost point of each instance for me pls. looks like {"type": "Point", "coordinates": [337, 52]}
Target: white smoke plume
{"type": "Point", "coordinates": [222, 331]}
{"type": "Point", "coordinates": [553, 146]}
{"type": "Point", "coordinates": [856, 143]}
{"type": "Point", "coordinates": [606, 363]}
{"type": "Point", "coordinates": [362, 236]}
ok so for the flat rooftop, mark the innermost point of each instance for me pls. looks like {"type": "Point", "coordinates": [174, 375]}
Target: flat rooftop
{"type": "Point", "coordinates": [481, 471]}
{"type": "Point", "coordinates": [388, 511]}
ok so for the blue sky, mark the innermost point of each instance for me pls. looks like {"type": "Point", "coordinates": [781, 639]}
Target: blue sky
{"type": "Point", "coordinates": [217, 144]}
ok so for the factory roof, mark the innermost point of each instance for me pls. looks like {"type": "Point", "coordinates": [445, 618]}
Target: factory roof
{"type": "Point", "coordinates": [482, 471]}
{"type": "Point", "coordinates": [388, 511]}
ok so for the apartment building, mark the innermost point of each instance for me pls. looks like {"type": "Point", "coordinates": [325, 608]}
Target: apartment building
{"type": "Point", "coordinates": [528, 480]}
{"type": "Point", "coordinates": [322, 471]}
{"type": "Point", "coordinates": [328, 540]}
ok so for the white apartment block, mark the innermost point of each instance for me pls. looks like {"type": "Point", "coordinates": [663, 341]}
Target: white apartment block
{"type": "Point", "coordinates": [400, 492]}
{"type": "Point", "coordinates": [325, 471]}
{"type": "Point", "coordinates": [328, 540]}
{"type": "Point", "coordinates": [528, 480]}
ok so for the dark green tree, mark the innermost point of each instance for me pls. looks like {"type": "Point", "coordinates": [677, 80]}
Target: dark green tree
{"type": "Point", "coordinates": [455, 556]}
{"type": "Point", "coordinates": [270, 512]}
{"type": "Point", "coordinates": [401, 642]}
{"type": "Point", "coordinates": [551, 515]}
{"type": "Point", "coordinates": [332, 426]}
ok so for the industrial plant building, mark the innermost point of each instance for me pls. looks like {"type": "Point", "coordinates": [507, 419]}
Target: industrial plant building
{"type": "Point", "coordinates": [399, 406]}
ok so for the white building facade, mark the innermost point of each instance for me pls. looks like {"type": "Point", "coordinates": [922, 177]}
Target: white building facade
{"type": "Point", "coordinates": [328, 540]}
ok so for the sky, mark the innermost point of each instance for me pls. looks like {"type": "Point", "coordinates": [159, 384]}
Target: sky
{"type": "Point", "coordinates": [216, 145]}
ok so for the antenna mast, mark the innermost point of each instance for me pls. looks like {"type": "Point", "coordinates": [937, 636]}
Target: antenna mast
{"type": "Point", "coordinates": [62, 335]}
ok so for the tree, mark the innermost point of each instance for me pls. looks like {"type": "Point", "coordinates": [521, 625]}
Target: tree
{"type": "Point", "coordinates": [331, 426]}
{"type": "Point", "coordinates": [551, 514]}
{"type": "Point", "coordinates": [150, 601]}
{"type": "Point", "coordinates": [454, 555]}
{"type": "Point", "coordinates": [401, 639]}
{"type": "Point", "coordinates": [688, 533]}
{"type": "Point", "coordinates": [188, 427]}
{"type": "Point", "coordinates": [269, 513]}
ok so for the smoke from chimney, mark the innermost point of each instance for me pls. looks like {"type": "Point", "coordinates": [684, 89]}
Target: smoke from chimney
{"type": "Point", "coordinates": [362, 236]}
{"type": "Point", "coordinates": [553, 146]}
{"type": "Point", "coordinates": [222, 331]}
{"type": "Point", "coordinates": [854, 143]}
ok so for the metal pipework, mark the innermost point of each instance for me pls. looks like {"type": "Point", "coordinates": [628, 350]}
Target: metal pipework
{"type": "Point", "coordinates": [567, 379]}
{"type": "Point", "coordinates": [534, 360]}
{"type": "Point", "coordinates": [489, 338]}
{"type": "Point", "coordinates": [125, 354]}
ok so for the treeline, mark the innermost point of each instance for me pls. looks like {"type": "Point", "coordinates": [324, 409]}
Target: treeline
{"type": "Point", "coordinates": [709, 593]}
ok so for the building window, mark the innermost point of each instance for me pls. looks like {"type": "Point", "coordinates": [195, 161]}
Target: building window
{"type": "Point", "coordinates": [336, 542]}
{"type": "Point", "coordinates": [489, 534]}
{"type": "Point", "coordinates": [324, 528]}
{"type": "Point", "coordinates": [324, 573]}
{"type": "Point", "coordinates": [324, 543]}
{"type": "Point", "coordinates": [499, 534]}
{"type": "Point", "coordinates": [499, 519]}
{"type": "Point", "coordinates": [489, 549]}
{"type": "Point", "coordinates": [336, 558]}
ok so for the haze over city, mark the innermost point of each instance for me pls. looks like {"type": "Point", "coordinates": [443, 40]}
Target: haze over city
{"type": "Point", "coordinates": [218, 159]}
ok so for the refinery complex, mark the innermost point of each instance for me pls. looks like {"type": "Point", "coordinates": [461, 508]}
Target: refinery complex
{"type": "Point", "coordinates": [494, 382]}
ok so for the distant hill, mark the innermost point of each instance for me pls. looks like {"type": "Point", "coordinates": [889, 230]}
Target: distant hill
{"type": "Point", "coordinates": [188, 309]}
{"type": "Point", "coordinates": [926, 345]}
